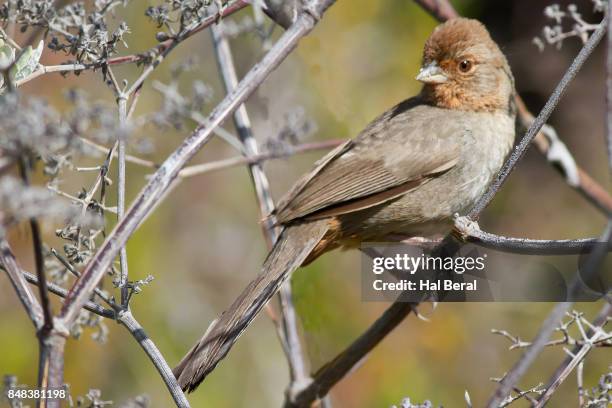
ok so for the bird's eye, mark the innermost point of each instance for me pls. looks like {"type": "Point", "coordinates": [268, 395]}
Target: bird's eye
{"type": "Point", "coordinates": [465, 65]}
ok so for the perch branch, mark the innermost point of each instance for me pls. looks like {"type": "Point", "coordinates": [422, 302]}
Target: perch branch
{"type": "Point", "coordinates": [470, 232]}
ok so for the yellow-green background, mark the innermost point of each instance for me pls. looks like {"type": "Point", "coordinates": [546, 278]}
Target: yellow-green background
{"type": "Point", "coordinates": [204, 243]}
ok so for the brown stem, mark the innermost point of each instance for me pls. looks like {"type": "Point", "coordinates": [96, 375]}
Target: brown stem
{"type": "Point", "coordinates": [25, 295]}
{"type": "Point", "coordinates": [52, 363]}
{"type": "Point", "coordinates": [43, 291]}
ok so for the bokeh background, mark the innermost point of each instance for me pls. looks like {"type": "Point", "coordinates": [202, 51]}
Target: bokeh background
{"type": "Point", "coordinates": [204, 242]}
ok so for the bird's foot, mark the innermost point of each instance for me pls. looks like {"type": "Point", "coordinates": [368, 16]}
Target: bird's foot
{"type": "Point", "coordinates": [464, 227]}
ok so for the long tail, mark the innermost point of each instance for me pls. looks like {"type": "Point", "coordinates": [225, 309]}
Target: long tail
{"type": "Point", "coordinates": [293, 246]}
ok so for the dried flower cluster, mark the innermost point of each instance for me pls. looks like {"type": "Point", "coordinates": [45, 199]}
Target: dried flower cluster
{"type": "Point", "coordinates": [556, 33]}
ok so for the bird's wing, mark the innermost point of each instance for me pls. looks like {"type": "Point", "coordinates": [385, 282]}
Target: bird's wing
{"type": "Point", "coordinates": [396, 153]}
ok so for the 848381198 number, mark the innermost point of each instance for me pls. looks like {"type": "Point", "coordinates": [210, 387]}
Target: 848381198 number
{"type": "Point", "coordinates": [37, 393]}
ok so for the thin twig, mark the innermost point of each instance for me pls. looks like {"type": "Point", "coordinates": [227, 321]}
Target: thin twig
{"type": "Point", "coordinates": [39, 261]}
{"type": "Point", "coordinates": [77, 274]}
{"type": "Point", "coordinates": [164, 48]}
{"type": "Point", "coordinates": [127, 319]}
{"type": "Point", "coordinates": [61, 292]}
{"type": "Point", "coordinates": [470, 232]}
{"type": "Point", "coordinates": [123, 279]}
{"type": "Point", "coordinates": [576, 357]}
{"type": "Point", "coordinates": [547, 141]}
{"type": "Point", "coordinates": [45, 333]}
{"type": "Point", "coordinates": [237, 161]}
{"type": "Point", "coordinates": [161, 49]}
{"type": "Point", "coordinates": [580, 383]}
{"type": "Point", "coordinates": [47, 69]}
{"type": "Point", "coordinates": [25, 295]}
{"type": "Point", "coordinates": [164, 45]}
{"type": "Point", "coordinates": [129, 158]}
{"type": "Point", "coordinates": [198, 169]}
{"type": "Point", "coordinates": [78, 200]}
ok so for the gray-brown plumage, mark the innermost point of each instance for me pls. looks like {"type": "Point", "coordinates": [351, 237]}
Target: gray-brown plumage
{"type": "Point", "coordinates": [407, 173]}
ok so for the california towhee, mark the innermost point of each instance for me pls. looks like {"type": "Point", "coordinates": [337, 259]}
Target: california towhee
{"type": "Point", "coordinates": [408, 172]}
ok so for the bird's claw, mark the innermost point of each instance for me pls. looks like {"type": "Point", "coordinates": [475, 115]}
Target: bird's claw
{"type": "Point", "coordinates": [465, 227]}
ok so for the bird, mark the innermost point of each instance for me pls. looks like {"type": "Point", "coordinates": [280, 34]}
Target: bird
{"type": "Point", "coordinates": [407, 173]}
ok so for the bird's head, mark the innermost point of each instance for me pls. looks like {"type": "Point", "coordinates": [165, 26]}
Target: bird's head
{"type": "Point", "coordinates": [464, 69]}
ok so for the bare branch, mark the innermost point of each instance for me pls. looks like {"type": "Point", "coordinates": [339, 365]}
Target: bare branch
{"type": "Point", "coordinates": [27, 298]}
{"type": "Point", "coordinates": [237, 161]}
{"type": "Point", "coordinates": [198, 169]}
{"type": "Point", "coordinates": [127, 319]}
{"type": "Point", "coordinates": [61, 292]}
{"type": "Point", "coordinates": [470, 232]}
{"type": "Point", "coordinates": [47, 69]}
{"type": "Point", "coordinates": [164, 48]}
{"type": "Point", "coordinates": [556, 153]}
{"type": "Point", "coordinates": [38, 254]}
{"type": "Point", "coordinates": [123, 279]}
{"type": "Point", "coordinates": [440, 9]}
{"type": "Point", "coordinates": [577, 355]}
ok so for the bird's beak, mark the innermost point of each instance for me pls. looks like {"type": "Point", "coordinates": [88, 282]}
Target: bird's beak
{"type": "Point", "coordinates": [432, 74]}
